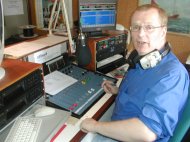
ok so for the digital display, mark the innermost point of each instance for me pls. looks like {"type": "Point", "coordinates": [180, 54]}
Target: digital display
{"type": "Point", "coordinates": [97, 16]}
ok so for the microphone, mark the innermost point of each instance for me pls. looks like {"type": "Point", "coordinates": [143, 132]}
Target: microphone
{"type": "Point", "coordinates": [82, 51]}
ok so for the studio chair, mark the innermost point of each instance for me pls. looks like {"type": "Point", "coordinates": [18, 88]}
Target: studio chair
{"type": "Point", "coordinates": [182, 132]}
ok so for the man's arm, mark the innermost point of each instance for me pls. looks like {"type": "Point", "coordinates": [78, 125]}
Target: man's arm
{"type": "Point", "coordinates": [123, 130]}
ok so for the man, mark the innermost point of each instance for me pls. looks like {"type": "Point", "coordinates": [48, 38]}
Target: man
{"type": "Point", "coordinates": [152, 95]}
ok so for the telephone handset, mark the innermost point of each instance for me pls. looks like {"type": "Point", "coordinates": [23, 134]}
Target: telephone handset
{"type": "Point", "coordinates": [122, 28]}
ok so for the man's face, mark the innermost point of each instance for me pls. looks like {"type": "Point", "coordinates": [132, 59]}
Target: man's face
{"type": "Point", "coordinates": [147, 31]}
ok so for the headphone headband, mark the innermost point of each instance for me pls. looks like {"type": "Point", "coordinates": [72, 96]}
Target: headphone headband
{"type": "Point", "coordinates": [166, 49]}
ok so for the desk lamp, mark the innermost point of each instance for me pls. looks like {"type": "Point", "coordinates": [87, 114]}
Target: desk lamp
{"type": "Point", "coordinates": [54, 18]}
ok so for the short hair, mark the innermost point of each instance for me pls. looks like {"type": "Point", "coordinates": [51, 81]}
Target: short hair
{"type": "Point", "coordinates": [161, 12]}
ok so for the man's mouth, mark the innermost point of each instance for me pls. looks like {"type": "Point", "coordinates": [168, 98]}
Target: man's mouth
{"type": "Point", "coordinates": [141, 42]}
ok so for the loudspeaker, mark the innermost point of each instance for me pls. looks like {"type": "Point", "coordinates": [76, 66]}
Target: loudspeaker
{"type": "Point", "coordinates": [82, 51]}
{"type": "Point", "coordinates": [149, 60]}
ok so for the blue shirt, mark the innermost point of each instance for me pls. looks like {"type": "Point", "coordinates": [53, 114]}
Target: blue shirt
{"type": "Point", "coordinates": [156, 96]}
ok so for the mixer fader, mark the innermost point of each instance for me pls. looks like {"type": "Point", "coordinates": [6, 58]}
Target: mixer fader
{"type": "Point", "coordinates": [81, 95]}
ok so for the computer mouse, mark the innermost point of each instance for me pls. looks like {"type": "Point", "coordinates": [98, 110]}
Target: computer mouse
{"type": "Point", "coordinates": [44, 111]}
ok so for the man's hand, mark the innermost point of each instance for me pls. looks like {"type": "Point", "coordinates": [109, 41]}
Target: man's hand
{"type": "Point", "coordinates": [88, 125]}
{"type": "Point", "coordinates": [109, 87]}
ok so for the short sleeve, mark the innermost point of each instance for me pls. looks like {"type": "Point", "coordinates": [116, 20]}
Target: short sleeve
{"type": "Point", "coordinates": [163, 104]}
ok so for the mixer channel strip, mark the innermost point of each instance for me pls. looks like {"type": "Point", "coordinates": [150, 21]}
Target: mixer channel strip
{"type": "Point", "coordinates": [80, 96]}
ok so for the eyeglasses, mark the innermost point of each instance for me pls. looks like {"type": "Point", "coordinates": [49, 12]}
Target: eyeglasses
{"type": "Point", "coordinates": [147, 28]}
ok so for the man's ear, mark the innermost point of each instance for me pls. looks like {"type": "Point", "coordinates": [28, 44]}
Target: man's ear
{"type": "Point", "coordinates": [164, 31]}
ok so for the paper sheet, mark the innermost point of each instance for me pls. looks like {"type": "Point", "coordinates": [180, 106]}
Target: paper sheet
{"type": "Point", "coordinates": [13, 7]}
{"type": "Point", "coordinates": [56, 82]}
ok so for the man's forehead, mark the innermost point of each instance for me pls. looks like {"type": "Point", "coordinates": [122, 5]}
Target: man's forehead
{"type": "Point", "coordinates": [149, 16]}
{"type": "Point", "coordinates": [150, 12]}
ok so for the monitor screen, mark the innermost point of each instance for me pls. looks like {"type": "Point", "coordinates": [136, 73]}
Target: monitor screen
{"type": "Point", "coordinates": [97, 15]}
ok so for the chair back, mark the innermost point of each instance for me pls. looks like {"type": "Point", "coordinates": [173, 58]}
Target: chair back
{"type": "Point", "coordinates": [184, 123]}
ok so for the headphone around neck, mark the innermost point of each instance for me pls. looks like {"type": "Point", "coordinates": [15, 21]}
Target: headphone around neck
{"type": "Point", "coordinates": [149, 60]}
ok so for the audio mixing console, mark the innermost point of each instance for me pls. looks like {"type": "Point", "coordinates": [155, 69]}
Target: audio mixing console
{"type": "Point", "coordinates": [81, 95]}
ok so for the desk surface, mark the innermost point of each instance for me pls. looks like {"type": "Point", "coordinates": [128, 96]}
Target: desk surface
{"type": "Point", "coordinates": [15, 70]}
{"type": "Point", "coordinates": [23, 49]}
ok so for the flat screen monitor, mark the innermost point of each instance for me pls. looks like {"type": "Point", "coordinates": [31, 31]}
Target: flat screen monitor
{"type": "Point", "coordinates": [2, 71]}
{"type": "Point", "coordinates": [97, 15]}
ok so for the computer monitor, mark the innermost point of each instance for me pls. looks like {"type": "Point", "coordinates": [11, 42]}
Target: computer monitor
{"type": "Point", "coordinates": [97, 15]}
{"type": "Point", "coordinates": [2, 71]}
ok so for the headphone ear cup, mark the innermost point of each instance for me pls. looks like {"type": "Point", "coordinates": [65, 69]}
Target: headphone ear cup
{"type": "Point", "coordinates": [150, 60]}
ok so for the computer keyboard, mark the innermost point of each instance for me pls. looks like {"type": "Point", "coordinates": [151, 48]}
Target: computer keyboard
{"type": "Point", "coordinates": [24, 129]}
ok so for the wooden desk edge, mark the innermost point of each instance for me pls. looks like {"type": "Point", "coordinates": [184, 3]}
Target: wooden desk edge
{"type": "Point", "coordinates": [78, 137]}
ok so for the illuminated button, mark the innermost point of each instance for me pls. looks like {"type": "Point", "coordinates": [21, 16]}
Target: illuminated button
{"type": "Point", "coordinates": [71, 108]}
{"type": "Point", "coordinates": [83, 82]}
{"type": "Point", "coordinates": [75, 105]}
{"type": "Point", "coordinates": [92, 89]}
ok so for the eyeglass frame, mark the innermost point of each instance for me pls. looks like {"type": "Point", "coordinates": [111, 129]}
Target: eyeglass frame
{"type": "Point", "coordinates": [145, 28]}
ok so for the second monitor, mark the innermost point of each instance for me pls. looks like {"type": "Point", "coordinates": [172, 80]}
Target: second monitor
{"type": "Point", "coordinates": [97, 15]}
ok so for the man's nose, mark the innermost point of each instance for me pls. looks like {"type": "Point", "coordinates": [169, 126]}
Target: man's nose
{"type": "Point", "coordinates": [141, 31]}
